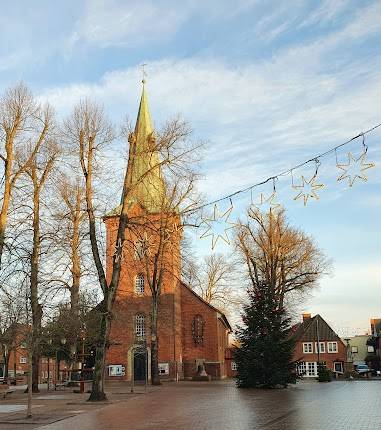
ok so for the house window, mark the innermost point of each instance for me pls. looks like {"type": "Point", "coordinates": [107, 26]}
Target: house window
{"type": "Point", "coordinates": [355, 349]}
{"type": "Point", "coordinates": [312, 369]}
{"type": "Point", "coordinates": [370, 348]}
{"type": "Point", "coordinates": [234, 365]}
{"type": "Point", "coordinates": [338, 366]}
{"type": "Point", "coordinates": [332, 347]}
{"type": "Point", "coordinates": [301, 369]}
{"type": "Point", "coordinates": [307, 348]}
{"type": "Point", "coordinates": [23, 345]}
{"type": "Point", "coordinates": [140, 325]}
{"type": "Point", "coordinates": [22, 360]}
{"type": "Point", "coordinates": [321, 347]}
{"type": "Point", "coordinates": [139, 284]}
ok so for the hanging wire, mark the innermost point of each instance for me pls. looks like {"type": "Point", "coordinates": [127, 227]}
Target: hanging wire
{"type": "Point", "coordinates": [288, 171]}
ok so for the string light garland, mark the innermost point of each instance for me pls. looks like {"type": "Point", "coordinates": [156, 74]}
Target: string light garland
{"type": "Point", "coordinates": [285, 172]}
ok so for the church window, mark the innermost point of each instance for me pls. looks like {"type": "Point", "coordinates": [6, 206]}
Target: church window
{"type": "Point", "coordinates": [139, 284]}
{"type": "Point", "coordinates": [140, 326]}
{"type": "Point", "coordinates": [198, 325]}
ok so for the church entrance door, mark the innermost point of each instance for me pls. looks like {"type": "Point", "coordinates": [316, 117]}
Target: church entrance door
{"type": "Point", "coordinates": [140, 366]}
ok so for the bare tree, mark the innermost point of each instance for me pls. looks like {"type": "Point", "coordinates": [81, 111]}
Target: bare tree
{"type": "Point", "coordinates": [216, 280]}
{"type": "Point", "coordinates": [283, 257]}
{"type": "Point", "coordinates": [19, 116]}
{"type": "Point", "coordinates": [38, 170]}
{"type": "Point", "coordinates": [88, 131]}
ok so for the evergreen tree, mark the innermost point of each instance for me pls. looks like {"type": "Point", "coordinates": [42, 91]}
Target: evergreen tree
{"type": "Point", "coordinates": [264, 356]}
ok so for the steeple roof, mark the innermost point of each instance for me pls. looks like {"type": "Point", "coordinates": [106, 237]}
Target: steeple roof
{"type": "Point", "coordinates": [145, 184]}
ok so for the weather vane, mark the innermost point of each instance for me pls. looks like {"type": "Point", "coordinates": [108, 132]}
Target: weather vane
{"type": "Point", "coordinates": [144, 73]}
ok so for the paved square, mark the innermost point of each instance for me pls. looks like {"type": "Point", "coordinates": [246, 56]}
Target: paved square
{"type": "Point", "coordinates": [221, 406]}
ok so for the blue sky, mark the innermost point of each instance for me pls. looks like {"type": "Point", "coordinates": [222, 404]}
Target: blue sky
{"type": "Point", "coordinates": [267, 84]}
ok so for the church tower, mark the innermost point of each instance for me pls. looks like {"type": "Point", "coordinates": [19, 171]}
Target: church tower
{"type": "Point", "coordinates": [150, 223]}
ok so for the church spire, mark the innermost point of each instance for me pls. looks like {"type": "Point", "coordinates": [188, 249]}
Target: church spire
{"type": "Point", "coordinates": [144, 180]}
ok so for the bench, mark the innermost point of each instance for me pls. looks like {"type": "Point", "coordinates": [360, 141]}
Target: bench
{"type": "Point", "coordinates": [5, 390]}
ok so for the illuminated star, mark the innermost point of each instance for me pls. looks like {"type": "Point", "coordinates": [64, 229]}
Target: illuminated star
{"type": "Point", "coordinates": [307, 189]}
{"type": "Point", "coordinates": [355, 168]}
{"type": "Point", "coordinates": [142, 246]}
{"type": "Point", "coordinates": [218, 226]}
{"type": "Point", "coordinates": [118, 254]}
{"type": "Point", "coordinates": [266, 206]}
{"type": "Point", "coordinates": [170, 231]}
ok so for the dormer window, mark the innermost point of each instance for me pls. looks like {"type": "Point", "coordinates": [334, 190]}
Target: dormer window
{"type": "Point", "coordinates": [139, 284]}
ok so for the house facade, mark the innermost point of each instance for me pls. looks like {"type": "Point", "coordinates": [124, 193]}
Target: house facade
{"type": "Point", "coordinates": [316, 342]}
{"type": "Point", "coordinates": [191, 332]}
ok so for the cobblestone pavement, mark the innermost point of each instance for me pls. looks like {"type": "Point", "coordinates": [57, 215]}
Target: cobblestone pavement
{"type": "Point", "coordinates": [220, 405]}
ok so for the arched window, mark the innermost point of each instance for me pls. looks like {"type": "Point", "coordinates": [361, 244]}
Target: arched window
{"type": "Point", "coordinates": [140, 325]}
{"type": "Point", "coordinates": [139, 284]}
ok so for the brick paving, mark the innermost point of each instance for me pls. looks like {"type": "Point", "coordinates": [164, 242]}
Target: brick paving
{"type": "Point", "coordinates": [220, 405]}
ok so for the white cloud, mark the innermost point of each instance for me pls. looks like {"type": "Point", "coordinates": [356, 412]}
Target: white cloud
{"type": "Point", "coordinates": [327, 11]}
{"type": "Point", "coordinates": [115, 22]}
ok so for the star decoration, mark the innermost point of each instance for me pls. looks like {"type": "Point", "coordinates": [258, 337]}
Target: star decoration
{"type": "Point", "coordinates": [354, 169]}
{"type": "Point", "coordinates": [118, 254]}
{"type": "Point", "coordinates": [142, 246]}
{"type": "Point", "coordinates": [218, 226]}
{"type": "Point", "coordinates": [173, 230]}
{"type": "Point", "coordinates": [307, 189]}
{"type": "Point", "coordinates": [266, 206]}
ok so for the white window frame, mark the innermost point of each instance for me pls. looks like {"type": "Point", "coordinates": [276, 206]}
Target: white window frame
{"type": "Point", "coordinates": [370, 348]}
{"type": "Point", "coordinates": [321, 347]}
{"type": "Point", "coordinates": [302, 369]}
{"type": "Point", "coordinates": [311, 369]}
{"type": "Point", "coordinates": [354, 349]}
{"type": "Point", "coordinates": [233, 365]}
{"type": "Point", "coordinates": [332, 348]}
{"type": "Point", "coordinates": [23, 360]}
{"type": "Point", "coordinates": [139, 283]}
{"type": "Point", "coordinates": [308, 348]}
{"type": "Point", "coordinates": [140, 326]}
{"type": "Point", "coordinates": [341, 367]}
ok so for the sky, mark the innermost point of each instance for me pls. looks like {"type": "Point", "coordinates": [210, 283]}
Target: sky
{"type": "Point", "coordinates": [266, 84]}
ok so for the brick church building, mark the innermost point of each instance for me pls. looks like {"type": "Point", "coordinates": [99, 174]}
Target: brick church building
{"type": "Point", "coordinates": [191, 332]}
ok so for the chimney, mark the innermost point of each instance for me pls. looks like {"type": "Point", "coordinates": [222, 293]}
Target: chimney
{"type": "Point", "coordinates": [306, 316]}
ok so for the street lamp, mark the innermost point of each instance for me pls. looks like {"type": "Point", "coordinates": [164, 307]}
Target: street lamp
{"type": "Point", "coordinates": [63, 342]}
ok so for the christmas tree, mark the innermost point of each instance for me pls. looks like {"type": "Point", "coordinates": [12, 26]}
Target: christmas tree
{"type": "Point", "coordinates": [264, 355]}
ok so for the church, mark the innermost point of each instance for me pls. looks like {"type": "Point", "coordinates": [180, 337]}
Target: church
{"type": "Point", "coordinates": [191, 333]}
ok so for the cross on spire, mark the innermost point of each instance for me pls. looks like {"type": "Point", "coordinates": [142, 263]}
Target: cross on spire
{"type": "Point", "coordinates": [144, 73]}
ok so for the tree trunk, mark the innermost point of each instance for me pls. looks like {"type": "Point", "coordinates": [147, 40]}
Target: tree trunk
{"type": "Point", "coordinates": [34, 267]}
{"type": "Point", "coordinates": [155, 378]}
{"type": "Point", "coordinates": [6, 195]}
{"type": "Point", "coordinates": [97, 391]}
{"type": "Point", "coordinates": [30, 384]}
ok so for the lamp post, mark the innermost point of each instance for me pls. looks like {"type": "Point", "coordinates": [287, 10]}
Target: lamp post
{"type": "Point", "coordinates": [50, 343]}
{"type": "Point", "coordinates": [63, 342]}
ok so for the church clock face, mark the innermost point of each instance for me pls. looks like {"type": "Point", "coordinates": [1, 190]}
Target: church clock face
{"type": "Point", "coordinates": [198, 327]}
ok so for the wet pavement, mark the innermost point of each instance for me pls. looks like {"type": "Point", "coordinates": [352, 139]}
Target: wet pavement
{"type": "Point", "coordinates": [220, 405]}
